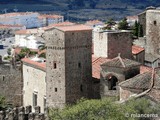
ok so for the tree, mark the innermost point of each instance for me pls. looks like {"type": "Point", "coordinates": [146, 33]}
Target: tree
{"type": "Point", "coordinates": [9, 51]}
{"type": "Point", "coordinates": [137, 29]}
{"type": "Point", "coordinates": [104, 109]}
{"type": "Point", "coordinates": [123, 25]}
{"type": "Point", "coordinates": [140, 31]}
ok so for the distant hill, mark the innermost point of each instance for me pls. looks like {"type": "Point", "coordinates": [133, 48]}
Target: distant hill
{"type": "Point", "coordinates": [80, 10]}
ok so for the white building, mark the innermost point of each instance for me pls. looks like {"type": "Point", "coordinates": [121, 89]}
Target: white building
{"type": "Point", "coordinates": [131, 20]}
{"type": "Point", "coordinates": [28, 38]}
{"type": "Point", "coordinates": [34, 82]}
{"type": "Point", "coordinates": [45, 20]}
{"type": "Point", "coordinates": [28, 19]}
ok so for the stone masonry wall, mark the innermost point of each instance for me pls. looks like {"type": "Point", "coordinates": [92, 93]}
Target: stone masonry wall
{"type": "Point", "coordinates": [119, 42]}
{"type": "Point", "coordinates": [152, 31]}
{"type": "Point", "coordinates": [11, 84]}
{"type": "Point", "coordinates": [55, 69]}
{"type": "Point", "coordinates": [78, 65]}
{"type": "Point", "coordinates": [142, 21]}
{"type": "Point", "coordinates": [22, 113]}
{"type": "Point", "coordinates": [69, 70]}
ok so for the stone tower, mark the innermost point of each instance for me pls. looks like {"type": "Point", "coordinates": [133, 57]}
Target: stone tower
{"type": "Point", "coordinates": [69, 70]}
{"type": "Point", "coordinates": [151, 26]}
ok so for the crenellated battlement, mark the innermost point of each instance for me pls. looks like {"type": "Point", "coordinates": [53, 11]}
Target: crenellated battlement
{"type": "Point", "coordinates": [22, 113]}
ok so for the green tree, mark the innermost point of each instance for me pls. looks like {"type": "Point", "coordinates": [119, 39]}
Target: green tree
{"type": "Point", "coordinates": [104, 109]}
{"type": "Point", "coordinates": [135, 29]}
{"type": "Point", "coordinates": [123, 25]}
{"type": "Point", "coordinates": [110, 21]}
{"type": "Point", "coordinates": [9, 51]}
{"type": "Point", "coordinates": [140, 31]}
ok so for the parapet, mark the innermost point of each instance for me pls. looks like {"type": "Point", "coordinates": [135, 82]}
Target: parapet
{"type": "Point", "coordinates": [22, 113]}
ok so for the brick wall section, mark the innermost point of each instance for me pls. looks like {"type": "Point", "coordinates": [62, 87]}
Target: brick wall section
{"type": "Point", "coordinates": [120, 42]}
{"type": "Point", "coordinates": [11, 85]}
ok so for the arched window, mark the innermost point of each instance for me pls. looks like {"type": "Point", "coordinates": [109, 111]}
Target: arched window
{"type": "Point", "coordinates": [112, 82]}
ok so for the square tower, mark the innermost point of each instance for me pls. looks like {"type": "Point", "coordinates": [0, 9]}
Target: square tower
{"type": "Point", "coordinates": [69, 66]}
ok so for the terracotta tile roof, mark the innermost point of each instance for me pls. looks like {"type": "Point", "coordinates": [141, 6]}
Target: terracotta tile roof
{"type": "Point", "coordinates": [119, 62]}
{"type": "Point", "coordinates": [27, 31]}
{"type": "Point", "coordinates": [137, 49]}
{"type": "Point", "coordinates": [78, 27]}
{"type": "Point", "coordinates": [41, 66]}
{"type": "Point", "coordinates": [96, 68]}
{"type": "Point", "coordinates": [42, 16]}
{"type": "Point", "coordinates": [93, 22]}
{"type": "Point", "coordinates": [16, 14]}
{"type": "Point", "coordinates": [132, 17]}
{"type": "Point", "coordinates": [143, 81]}
{"type": "Point", "coordinates": [58, 24]}
{"type": "Point", "coordinates": [144, 69]}
{"type": "Point", "coordinates": [10, 26]}
{"type": "Point", "coordinates": [140, 81]}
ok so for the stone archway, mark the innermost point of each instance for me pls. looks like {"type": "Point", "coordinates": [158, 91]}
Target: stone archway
{"type": "Point", "coordinates": [112, 82]}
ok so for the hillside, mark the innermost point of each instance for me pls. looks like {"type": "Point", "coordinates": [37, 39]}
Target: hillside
{"type": "Point", "coordinates": [80, 10]}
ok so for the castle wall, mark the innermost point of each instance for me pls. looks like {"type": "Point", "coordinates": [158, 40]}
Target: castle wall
{"type": "Point", "coordinates": [152, 32]}
{"type": "Point", "coordinates": [11, 84]}
{"type": "Point", "coordinates": [34, 82]}
{"type": "Point", "coordinates": [142, 21]}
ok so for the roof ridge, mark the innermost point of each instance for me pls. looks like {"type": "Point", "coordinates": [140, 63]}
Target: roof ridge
{"type": "Point", "coordinates": [121, 60]}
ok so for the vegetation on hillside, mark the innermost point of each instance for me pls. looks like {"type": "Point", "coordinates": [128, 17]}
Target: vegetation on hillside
{"type": "Point", "coordinates": [105, 109]}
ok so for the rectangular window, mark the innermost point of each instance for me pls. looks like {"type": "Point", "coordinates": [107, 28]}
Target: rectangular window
{"type": "Point", "coordinates": [79, 65]}
{"type": "Point", "coordinates": [55, 89]}
{"type": "Point", "coordinates": [44, 101]}
{"type": "Point", "coordinates": [54, 65]}
{"type": "Point", "coordinates": [34, 99]}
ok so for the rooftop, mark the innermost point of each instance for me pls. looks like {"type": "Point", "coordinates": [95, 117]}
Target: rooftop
{"type": "Point", "coordinates": [39, 65]}
{"type": "Point", "coordinates": [10, 26]}
{"type": "Point", "coordinates": [27, 31]}
{"type": "Point", "coordinates": [150, 58]}
{"type": "Point", "coordinates": [58, 24]}
{"type": "Point", "coordinates": [93, 22]}
{"type": "Point", "coordinates": [96, 68]}
{"type": "Point", "coordinates": [16, 14]}
{"type": "Point", "coordinates": [143, 81]}
{"type": "Point", "coordinates": [77, 27]}
{"type": "Point", "coordinates": [42, 16]}
{"type": "Point", "coordinates": [132, 17]}
{"type": "Point", "coordinates": [121, 62]}
{"type": "Point", "coordinates": [137, 49]}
